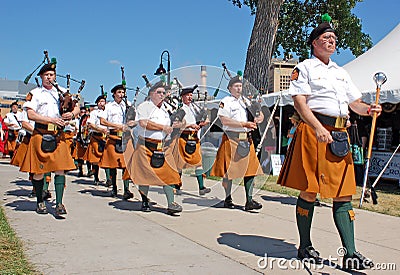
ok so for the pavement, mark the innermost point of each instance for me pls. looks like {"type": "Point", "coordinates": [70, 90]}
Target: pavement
{"type": "Point", "coordinates": [104, 235]}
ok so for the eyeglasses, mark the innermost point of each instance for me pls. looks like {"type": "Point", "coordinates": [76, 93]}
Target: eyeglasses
{"type": "Point", "coordinates": [160, 92]}
{"type": "Point", "coordinates": [328, 37]}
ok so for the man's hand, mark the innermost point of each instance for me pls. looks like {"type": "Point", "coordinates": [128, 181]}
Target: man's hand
{"type": "Point", "coordinates": [168, 130]}
{"type": "Point", "coordinates": [374, 108]}
{"type": "Point", "coordinates": [67, 116]}
{"type": "Point", "coordinates": [250, 125]}
{"type": "Point", "coordinates": [323, 135]}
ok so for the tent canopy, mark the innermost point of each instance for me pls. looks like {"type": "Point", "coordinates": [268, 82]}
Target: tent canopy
{"type": "Point", "coordinates": [383, 57]}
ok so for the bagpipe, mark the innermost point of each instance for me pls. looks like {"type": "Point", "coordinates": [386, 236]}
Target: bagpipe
{"type": "Point", "coordinates": [28, 77]}
{"type": "Point", "coordinates": [83, 136]}
{"type": "Point", "coordinates": [130, 110]}
{"type": "Point", "coordinates": [176, 114]}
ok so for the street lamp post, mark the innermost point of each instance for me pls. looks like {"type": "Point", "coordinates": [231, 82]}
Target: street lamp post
{"type": "Point", "coordinates": [161, 70]}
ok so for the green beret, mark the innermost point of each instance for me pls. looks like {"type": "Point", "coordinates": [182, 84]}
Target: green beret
{"type": "Point", "coordinates": [236, 79]}
{"type": "Point", "coordinates": [118, 87]}
{"type": "Point", "coordinates": [157, 85]}
{"type": "Point", "coordinates": [46, 68]}
{"type": "Point", "coordinates": [189, 90]}
{"type": "Point", "coordinates": [100, 97]}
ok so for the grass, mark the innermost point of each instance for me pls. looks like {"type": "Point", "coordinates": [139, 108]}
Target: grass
{"type": "Point", "coordinates": [388, 195]}
{"type": "Point", "coordinates": [12, 258]}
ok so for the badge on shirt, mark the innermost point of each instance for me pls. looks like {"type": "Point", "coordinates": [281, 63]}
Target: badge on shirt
{"type": "Point", "coordinates": [221, 105]}
{"type": "Point", "coordinates": [295, 74]}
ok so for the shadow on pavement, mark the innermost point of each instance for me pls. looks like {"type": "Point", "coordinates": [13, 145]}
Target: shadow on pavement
{"type": "Point", "coordinates": [22, 205]}
{"type": "Point", "coordinates": [22, 182]}
{"type": "Point", "coordinates": [19, 193]}
{"type": "Point", "coordinates": [136, 206]}
{"type": "Point", "coordinates": [282, 200]}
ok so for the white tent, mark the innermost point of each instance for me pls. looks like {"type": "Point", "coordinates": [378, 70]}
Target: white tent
{"type": "Point", "coordinates": [383, 57]}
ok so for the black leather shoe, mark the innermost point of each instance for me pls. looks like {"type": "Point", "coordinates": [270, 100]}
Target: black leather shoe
{"type": "Point", "coordinates": [60, 210]}
{"type": "Point", "coordinates": [145, 207]}
{"type": "Point", "coordinates": [204, 191]}
{"type": "Point", "coordinates": [229, 204]}
{"type": "Point", "coordinates": [174, 208]}
{"type": "Point", "coordinates": [251, 205]}
{"type": "Point", "coordinates": [108, 183]}
{"type": "Point", "coordinates": [127, 195]}
{"type": "Point", "coordinates": [309, 254]}
{"type": "Point", "coordinates": [46, 195]}
{"type": "Point", "coordinates": [32, 194]}
{"type": "Point", "coordinates": [41, 208]}
{"type": "Point", "coordinates": [80, 174]}
{"type": "Point", "coordinates": [113, 194]}
{"type": "Point", "coordinates": [357, 262]}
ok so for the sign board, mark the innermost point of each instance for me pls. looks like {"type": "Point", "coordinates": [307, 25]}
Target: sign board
{"type": "Point", "coordinates": [276, 163]}
{"type": "Point", "coordinates": [378, 161]}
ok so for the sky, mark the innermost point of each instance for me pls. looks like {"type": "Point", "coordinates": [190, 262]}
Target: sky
{"type": "Point", "coordinates": [91, 40]}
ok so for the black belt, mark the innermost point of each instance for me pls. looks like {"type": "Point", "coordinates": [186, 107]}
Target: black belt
{"type": "Point", "coordinates": [115, 133]}
{"type": "Point", "coordinates": [152, 146]}
{"type": "Point", "coordinates": [337, 122]}
{"type": "Point", "coordinates": [45, 126]}
{"type": "Point", "coordinates": [97, 134]}
{"type": "Point", "coordinates": [186, 134]}
{"type": "Point", "coordinates": [232, 134]}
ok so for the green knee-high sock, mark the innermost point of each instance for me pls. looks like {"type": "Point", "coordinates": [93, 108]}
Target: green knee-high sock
{"type": "Point", "coordinates": [169, 193]}
{"type": "Point", "coordinates": [126, 185]}
{"type": "Point", "coordinates": [304, 215]}
{"type": "Point", "coordinates": [46, 181]}
{"type": "Point", "coordinates": [38, 184]}
{"type": "Point", "coordinates": [107, 170]}
{"type": "Point", "coordinates": [248, 186]}
{"type": "Point", "coordinates": [227, 184]}
{"type": "Point", "coordinates": [113, 176]}
{"type": "Point", "coordinates": [343, 215]}
{"type": "Point", "coordinates": [199, 177]}
{"type": "Point", "coordinates": [59, 182]}
{"type": "Point", "coordinates": [144, 191]}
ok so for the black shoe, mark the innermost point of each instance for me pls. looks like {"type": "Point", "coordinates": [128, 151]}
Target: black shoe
{"type": "Point", "coordinates": [317, 202]}
{"type": "Point", "coordinates": [32, 194]}
{"type": "Point", "coordinates": [108, 183]}
{"type": "Point", "coordinates": [204, 191]}
{"type": "Point", "coordinates": [229, 204]}
{"type": "Point", "coordinates": [174, 208]}
{"type": "Point", "coordinates": [146, 207]}
{"type": "Point", "coordinates": [309, 254]}
{"type": "Point", "coordinates": [251, 205]}
{"type": "Point", "coordinates": [60, 210]}
{"type": "Point", "coordinates": [127, 195]}
{"type": "Point", "coordinates": [89, 174]}
{"type": "Point", "coordinates": [46, 195]}
{"type": "Point", "coordinates": [80, 174]}
{"type": "Point", "coordinates": [113, 194]}
{"type": "Point", "coordinates": [41, 208]}
{"type": "Point", "coordinates": [357, 262]}
{"type": "Point", "coordinates": [97, 182]}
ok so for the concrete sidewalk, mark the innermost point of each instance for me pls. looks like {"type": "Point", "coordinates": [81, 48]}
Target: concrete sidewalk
{"type": "Point", "coordinates": [105, 235]}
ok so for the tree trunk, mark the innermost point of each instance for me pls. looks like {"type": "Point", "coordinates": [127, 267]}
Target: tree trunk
{"type": "Point", "coordinates": [261, 43]}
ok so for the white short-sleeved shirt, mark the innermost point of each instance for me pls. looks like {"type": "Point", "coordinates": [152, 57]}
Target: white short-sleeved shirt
{"type": "Point", "coordinates": [329, 88]}
{"type": "Point", "coordinates": [190, 114]}
{"type": "Point", "coordinates": [114, 113]}
{"type": "Point", "coordinates": [94, 118]}
{"type": "Point", "coordinates": [45, 102]}
{"type": "Point", "coordinates": [14, 118]}
{"type": "Point", "coordinates": [26, 119]}
{"type": "Point", "coordinates": [147, 110]}
{"type": "Point", "coordinates": [234, 108]}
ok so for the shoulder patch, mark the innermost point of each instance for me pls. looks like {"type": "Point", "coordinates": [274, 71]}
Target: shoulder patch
{"type": "Point", "coordinates": [295, 74]}
{"type": "Point", "coordinates": [221, 105]}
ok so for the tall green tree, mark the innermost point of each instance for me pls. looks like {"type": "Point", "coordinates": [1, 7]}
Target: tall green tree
{"type": "Point", "coordinates": [281, 27]}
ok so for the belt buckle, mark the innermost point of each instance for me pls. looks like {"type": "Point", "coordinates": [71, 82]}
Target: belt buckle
{"type": "Point", "coordinates": [159, 145]}
{"type": "Point", "coordinates": [51, 127]}
{"type": "Point", "coordinates": [242, 136]}
{"type": "Point", "coordinates": [340, 122]}
{"type": "Point", "coordinates": [119, 133]}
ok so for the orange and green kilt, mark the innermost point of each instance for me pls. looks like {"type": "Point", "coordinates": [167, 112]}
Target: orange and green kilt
{"type": "Point", "coordinates": [110, 158]}
{"type": "Point", "coordinates": [128, 155]}
{"type": "Point", "coordinates": [79, 151]}
{"type": "Point", "coordinates": [20, 153]}
{"type": "Point", "coordinates": [142, 173]}
{"type": "Point", "coordinates": [92, 153]}
{"type": "Point", "coordinates": [231, 165]}
{"type": "Point", "coordinates": [69, 139]}
{"type": "Point", "coordinates": [310, 166]}
{"type": "Point", "coordinates": [182, 158]}
{"type": "Point", "coordinates": [38, 162]}
{"type": "Point", "coordinates": [11, 145]}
